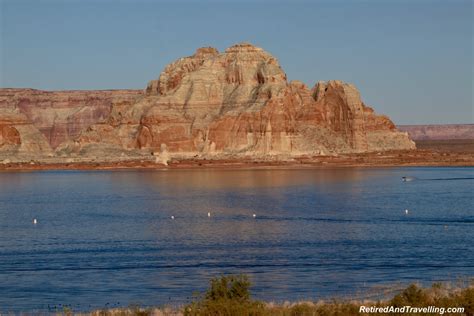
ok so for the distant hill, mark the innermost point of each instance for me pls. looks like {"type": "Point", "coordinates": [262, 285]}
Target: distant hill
{"type": "Point", "coordinates": [439, 132]}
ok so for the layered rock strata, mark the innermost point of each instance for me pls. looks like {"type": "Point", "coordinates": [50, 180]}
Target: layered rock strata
{"type": "Point", "coordinates": [236, 103]}
{"type": "Point", "coordinates": [439, 132]}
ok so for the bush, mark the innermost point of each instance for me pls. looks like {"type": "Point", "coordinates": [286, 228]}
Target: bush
{"type": "Point", "coordinates": [226, 296]}
{"type": "Point", "coordinates": [412, 295]}
{"type": "Point", "coordinates": [229, 288]}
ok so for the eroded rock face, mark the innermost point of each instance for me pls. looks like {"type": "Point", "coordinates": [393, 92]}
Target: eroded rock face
{"type": "Point", "coordinates": [9, 136]}
{"type": "Point", "coordinates": [63, 115]}
{"type": "Point", "coordinates": [238, 102]}
{"type": "Point", "coordinates": [18, 135]}
{"type": "Point", "coordinates": [196, 95]}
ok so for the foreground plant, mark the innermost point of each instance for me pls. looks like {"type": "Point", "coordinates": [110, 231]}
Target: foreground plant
{"type": "Point", "coordinates": [227, 295]}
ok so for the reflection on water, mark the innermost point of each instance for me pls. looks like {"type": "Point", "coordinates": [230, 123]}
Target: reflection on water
{"type": "Point", "coordinates": [106, 238]}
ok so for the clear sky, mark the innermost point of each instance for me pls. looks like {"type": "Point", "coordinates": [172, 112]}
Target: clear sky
{"type": "Point", "coordinates": [411, 59]}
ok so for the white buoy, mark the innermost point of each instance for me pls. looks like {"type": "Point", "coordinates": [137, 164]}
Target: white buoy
{"type": "Point", "coordinates": [172, 217]}
{"type": "Point", "coordinates": [254, 215]}
{"type": "Point", "coordinates": [35, 221]}
{"type": "Point", "coordinates": [406, 211]}
{"type": "Point", "coordinates": [208, 214]}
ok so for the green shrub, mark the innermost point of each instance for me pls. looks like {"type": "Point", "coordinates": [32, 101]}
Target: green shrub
{"type": "Point", "coordinates": [229, 288]}
{"type": "Point", "coordinates": [226, 296]}
{"type": "Point", "coordinates": [412, 295]}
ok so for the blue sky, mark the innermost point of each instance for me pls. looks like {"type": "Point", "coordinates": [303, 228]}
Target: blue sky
{"type": "Point", "coordinates": [411, 60]}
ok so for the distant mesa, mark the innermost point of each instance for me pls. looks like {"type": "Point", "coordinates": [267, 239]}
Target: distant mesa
{"type": "Point", "coordinates": [439, 132]}
{"type": "Point", "coordinates": [237, 103]}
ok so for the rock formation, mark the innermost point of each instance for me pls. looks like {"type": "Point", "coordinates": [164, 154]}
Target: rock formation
{"type": "Point", "coordinates": [236, 103]}
{"type": "Point", "coordinates": [18, 135]}
{"type": "Point", "coordinates": [439, 132]}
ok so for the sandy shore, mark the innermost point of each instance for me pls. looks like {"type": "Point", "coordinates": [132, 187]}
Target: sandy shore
{"type": "Point", "coordinates": [425, 157]}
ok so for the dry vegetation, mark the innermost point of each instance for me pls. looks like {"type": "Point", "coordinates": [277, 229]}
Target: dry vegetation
{"type": "Point", "coordinates": [230, 296]}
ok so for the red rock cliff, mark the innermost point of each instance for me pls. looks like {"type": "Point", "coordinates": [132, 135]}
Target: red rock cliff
{"type": "Point", "coordinates": [238, 102]}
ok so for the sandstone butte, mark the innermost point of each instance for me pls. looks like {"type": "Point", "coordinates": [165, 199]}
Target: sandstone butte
{"type": "Point", "coordinates": [238, 103]}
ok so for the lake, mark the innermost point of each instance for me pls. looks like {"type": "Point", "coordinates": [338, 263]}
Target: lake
{"type": "Point", "coordinates": [106, 238]}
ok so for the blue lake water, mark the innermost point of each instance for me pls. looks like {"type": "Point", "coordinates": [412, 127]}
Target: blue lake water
{"type": "Point", "coordinates": [106, 238]}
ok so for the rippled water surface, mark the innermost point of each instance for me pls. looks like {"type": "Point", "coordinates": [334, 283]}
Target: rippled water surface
{"type": "Point", "coordinates": [106, 238]}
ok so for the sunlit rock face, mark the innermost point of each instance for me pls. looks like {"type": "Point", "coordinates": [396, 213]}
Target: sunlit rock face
{"type": "Point", "coordinates": [63, 115]}
{"type": "Point", "coordinates": [240, 102]}
{"type": "Point", "coordinates": [237, 102]}
{"type": "Point", "coordinates": [18, 134]}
